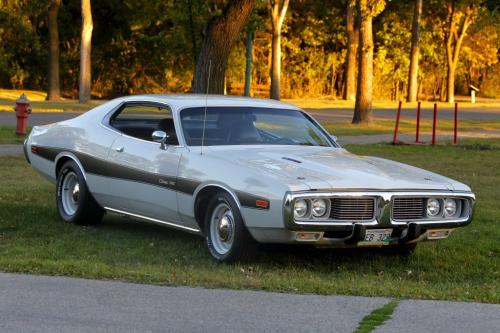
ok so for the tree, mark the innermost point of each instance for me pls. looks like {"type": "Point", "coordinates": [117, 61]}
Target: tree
{"type": "Point", "coordinates": [459, 20]}
{"type": "Point", "coordinates": [352, 29]}
{"type": "Point", "coordinates": [218, 38]}
{"type": "Point", "coordinates": [54, 90]}
{"type": "Point", "coordinates": [85, 48]}
{"type": "Point", "coordinates": [278, 12]}
{"type": "Point", "coordinates": [367, 9]}
{"type": "Point", "coordinates": [414, 53]}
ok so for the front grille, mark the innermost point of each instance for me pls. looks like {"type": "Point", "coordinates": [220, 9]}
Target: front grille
{"type": "Point", "coordinates": [408, 208]}
{"type": "Point", "coordinates": [352, 209]}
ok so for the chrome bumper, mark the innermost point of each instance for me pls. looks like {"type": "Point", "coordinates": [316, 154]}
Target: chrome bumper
{"type": "Point", "coordinates": [350, 232]}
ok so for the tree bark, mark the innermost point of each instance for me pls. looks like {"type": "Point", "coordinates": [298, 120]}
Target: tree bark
{"type": "Point", "coordinates": [85, 50]}
{"type": "Point", "coordinates": [218, 38]}
{"type": "Point", "coordinates": [454, 38]}
{"type": "Point", "coordinates": [54, 89]}
{"type": "Point", "coordinates": [352, 48]}
{"type": "Point", "coordinates": [414, 53]}
{"type": "Point", "coordinates": [277, 18]}
{"type": "Point", "coordinates": [363, 107]}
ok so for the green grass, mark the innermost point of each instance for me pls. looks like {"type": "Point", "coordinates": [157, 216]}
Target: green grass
{"type": "Point", "coordinates": [407, 126]}
{"type": "Point", "coordinates": [8, 135]}
{"type": "Point", "coordinates": [465, 266]}
{"type": "Point", "coordinates": [377, 317]}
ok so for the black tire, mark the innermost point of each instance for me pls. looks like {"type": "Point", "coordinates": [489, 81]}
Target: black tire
{"type": "Point", "coordinates": [243, 246]}
{"type": "Point", "coordinates": [86, 210]}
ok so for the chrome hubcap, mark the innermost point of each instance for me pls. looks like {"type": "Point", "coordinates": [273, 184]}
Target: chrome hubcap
{"type": "Point", "coordinates": [222, 228]}
{"type": "Point", "coordinates": [70, 193]}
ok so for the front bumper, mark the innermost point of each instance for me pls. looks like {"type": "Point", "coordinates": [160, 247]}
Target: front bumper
{"type": "Point", "coordinates": [349, 233]}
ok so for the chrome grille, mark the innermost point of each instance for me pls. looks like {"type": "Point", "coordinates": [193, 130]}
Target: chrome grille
{"type": "Point", "coordinates": [352, 209]}
{"type": "Point", "coordinates": [408, 208]}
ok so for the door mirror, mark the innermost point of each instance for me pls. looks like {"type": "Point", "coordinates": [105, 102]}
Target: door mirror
{"type": "Point", "coordinates": [334, 138]}
{"type": "Point", "coordinates": [160, 137]}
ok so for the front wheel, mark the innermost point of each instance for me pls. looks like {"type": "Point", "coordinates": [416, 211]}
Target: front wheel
{"type": "Point", "coordinates": [227, 237]}
{"type": "Point", "coordinates": [75, 203]}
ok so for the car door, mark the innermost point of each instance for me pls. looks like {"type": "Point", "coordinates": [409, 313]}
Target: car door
{"type": "Point", "coordinates": [142, 173]}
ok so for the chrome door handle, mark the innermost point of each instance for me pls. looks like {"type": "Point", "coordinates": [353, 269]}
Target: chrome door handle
{"type": "Point", "coordinates": [119, 149]}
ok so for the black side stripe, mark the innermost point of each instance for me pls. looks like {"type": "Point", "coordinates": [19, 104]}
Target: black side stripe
{"type": "Point", "coordinates": [108, 169]}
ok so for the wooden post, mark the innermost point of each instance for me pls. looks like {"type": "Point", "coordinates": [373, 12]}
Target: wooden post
{"type": "Point", "coordinates": [395, 137]}
{"type": "Point", "coordinates": [434, 122]}
{"type": "Point", "coordinates": [417, 135]}
{"type": "Point", "coordinates": [455, 134]}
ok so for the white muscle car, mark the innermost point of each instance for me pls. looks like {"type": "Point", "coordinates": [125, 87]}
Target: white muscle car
{"type": "Point", "coordinates": [239, 171]}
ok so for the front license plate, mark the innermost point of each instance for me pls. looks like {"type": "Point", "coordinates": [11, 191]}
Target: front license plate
{"type": "Point", "coordinates": [376, 237]}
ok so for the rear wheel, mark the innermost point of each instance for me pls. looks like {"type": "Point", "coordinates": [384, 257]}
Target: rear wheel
{"type": "Point", "coordinates": [227, 237]}
{"type": "Point", "coordinates": [75, 203]}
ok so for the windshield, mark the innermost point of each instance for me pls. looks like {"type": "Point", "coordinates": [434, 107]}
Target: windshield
{"type": "Point", "coordinates": [250, 126]}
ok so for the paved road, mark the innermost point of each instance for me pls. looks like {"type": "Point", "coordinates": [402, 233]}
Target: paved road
{"type": "Point", "coordinates": [481, 113]}
{"type": "Point", "coordinates": [60, 304]}
{"type": "Point", "coordinates": [325, 115]}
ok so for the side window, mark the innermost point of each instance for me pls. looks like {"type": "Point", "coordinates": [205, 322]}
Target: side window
{"type": "Point", "coordinates": [140, 121]}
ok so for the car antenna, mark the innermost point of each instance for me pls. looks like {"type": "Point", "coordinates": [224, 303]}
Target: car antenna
{"type": "Point", "coordinates": [206, 105]}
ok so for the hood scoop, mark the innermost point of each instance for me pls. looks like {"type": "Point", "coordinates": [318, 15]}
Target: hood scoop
{"type": "Point", "coordinates": [291, 160]}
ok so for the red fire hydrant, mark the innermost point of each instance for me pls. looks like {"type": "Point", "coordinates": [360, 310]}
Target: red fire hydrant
{"type": "Point", "coordinates": [23, 109]}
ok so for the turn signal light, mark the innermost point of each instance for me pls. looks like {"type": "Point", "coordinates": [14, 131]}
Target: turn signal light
{"type": "Point", "coordinates": [308, 236]}
{"type": "Point", "coordinates": [262, 204]}
{"type": "Point", "coordinates": [438, 233]}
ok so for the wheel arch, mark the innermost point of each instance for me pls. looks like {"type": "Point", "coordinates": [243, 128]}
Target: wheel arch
{"type": "Point", "coordinates": [62, 158]}
{"type": "Point", "coordinates": [202, 198]}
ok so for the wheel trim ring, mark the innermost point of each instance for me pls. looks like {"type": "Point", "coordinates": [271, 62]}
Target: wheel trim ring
{"type": "Point", "coordinates": [222, 213]}
{"type": "Point", "coordinates": [70, 193]}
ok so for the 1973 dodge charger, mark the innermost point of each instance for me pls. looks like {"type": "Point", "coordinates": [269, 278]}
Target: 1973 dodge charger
{"type": "Point", "coordinates": [239, 171]}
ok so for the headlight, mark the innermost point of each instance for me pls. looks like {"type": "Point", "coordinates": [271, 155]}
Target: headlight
{"type": "Point", "coordinates": [300, 208]}
{"type": "Point", "coordinates": [433, 207]}
{"type": "Point", "coordinates": [319, 207]}
{"type": "Point", "coordinates": [450, 207]}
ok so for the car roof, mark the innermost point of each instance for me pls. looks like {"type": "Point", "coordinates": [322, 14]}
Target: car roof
{"type": "Point", "coordinates": [182, 101]}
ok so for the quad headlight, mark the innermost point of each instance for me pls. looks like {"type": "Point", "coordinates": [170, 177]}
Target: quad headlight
{"type": "Point", "coordinates": [450, 207]}
{"type": "Point", "coordinates": [433, 207]}
{"type": "Point", "coordinates": [319, 207]}
{"type": "Point", "coordinates": [300, 208]}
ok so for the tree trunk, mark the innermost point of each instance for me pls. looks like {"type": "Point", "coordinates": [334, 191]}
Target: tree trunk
{"type": "Point", "coordinates": [454, 37]}
{"type": "Point", "coordinates": [218, 38]}
{"type": "Point", "coordinates": [248, 69]}
{"type": "Point", "coordinates": [352, 48]}
{"type": "Point", "coordinates": [414, 53]}
{"type": "Point", "coordinates": [85, 49]}
{"type": "Point", "coordinates": [442, 90]}
{"type": "Point", "coordinates": [277, 18]}
{"type": "Point", "coordinates": [276, 68]}
{"type": "Point", "coordinates": [363, 108]}
{"type": "Point", "coordinates": [54, 89]}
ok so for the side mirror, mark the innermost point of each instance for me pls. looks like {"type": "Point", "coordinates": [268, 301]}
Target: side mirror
{"type": "Point", "coordinates": [334, 138]}
{"type": "Point", "coordinates": [160, 137]}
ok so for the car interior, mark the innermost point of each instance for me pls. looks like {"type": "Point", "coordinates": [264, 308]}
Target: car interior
{"type": "Point", "coordinates": [142, 124]}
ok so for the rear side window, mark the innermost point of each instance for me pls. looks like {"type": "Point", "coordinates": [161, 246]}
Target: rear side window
{"type": "Point", "coordinates": [141, 120]}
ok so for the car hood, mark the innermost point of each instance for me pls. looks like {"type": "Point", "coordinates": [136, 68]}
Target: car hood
{"type": "Point", "coordinates": [333, 168]}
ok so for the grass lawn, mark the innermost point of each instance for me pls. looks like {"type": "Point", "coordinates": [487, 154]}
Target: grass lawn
{"type": "Point", "coordinates": [464, 267]}
{"type": "Point", "coordinates": [8, 135]}
{"type": "Point", "coordinates": [408, 126]}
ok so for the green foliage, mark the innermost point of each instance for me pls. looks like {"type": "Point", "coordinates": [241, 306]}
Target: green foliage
{"type": "Point", "coordinates": [151, 46]}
